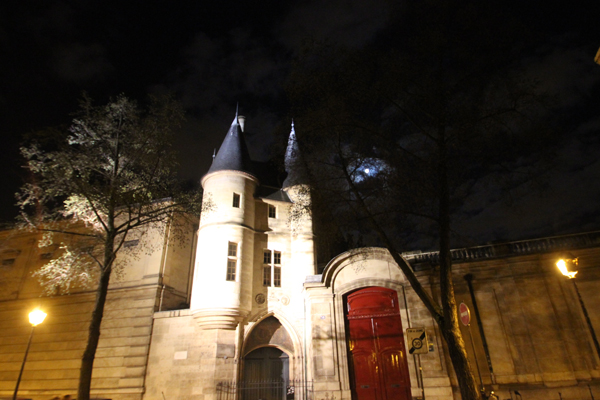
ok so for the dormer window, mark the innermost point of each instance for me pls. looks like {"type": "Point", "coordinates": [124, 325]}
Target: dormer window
{"type": "Point", "coordinates": [272, 211]}
{"type": "Point", "coordinates": [236, 200]}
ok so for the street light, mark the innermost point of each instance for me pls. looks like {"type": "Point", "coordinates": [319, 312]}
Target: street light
{"type": "Point", "coordinates": [562, 266]}
{"type": "Point", "coordinates": [36, 317]}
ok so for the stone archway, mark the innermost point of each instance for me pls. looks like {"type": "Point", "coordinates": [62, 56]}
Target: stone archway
{"type": "Point", "coordinates": [266, 374]}
{"type": "Point", "coordinates": [269, 332]}
{"type": "Point", "coordinates": [266, 361]}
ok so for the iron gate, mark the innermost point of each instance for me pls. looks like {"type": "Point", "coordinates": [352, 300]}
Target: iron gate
{"type": "Point", "coordinates": [265, 390]}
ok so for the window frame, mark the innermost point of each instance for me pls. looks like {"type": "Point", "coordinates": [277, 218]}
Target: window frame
{"type": "Point", "coordinates": [237, 200]}
{"type": "Point", "coordinates": [276, 276]}
{"type": "Point", "coordinates": [232, 258]}
{"type": "Point", "coordinates": [266, 276]}
{"type": "Point", "coordinates": [271, 268]}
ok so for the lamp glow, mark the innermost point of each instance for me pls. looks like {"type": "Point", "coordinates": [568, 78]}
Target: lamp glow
{"type": "Point", "coordinates": [36, 317]}
{"type": "Point", "coordinates": [562, 266]}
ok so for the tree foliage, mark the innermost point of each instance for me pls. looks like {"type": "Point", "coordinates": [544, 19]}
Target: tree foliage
{"type": "Point", "coordinates": [111, 177]}
{"type": "Point", "coordinates": [396, 137]}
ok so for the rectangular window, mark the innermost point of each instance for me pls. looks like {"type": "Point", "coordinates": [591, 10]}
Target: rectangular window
{"type": "Point", "coordinates": [277, 276]}
{"type": "Point", "coordinates": [231, 264]}
{"type": "Point", "coordinates": [267, 257]}
{"type": "Point", "coordinates": [236, 200]}
{"type": "Point", "coordinates": [231, 261]}
{"type": "Point", "coordinates": [272, 211]}
{"type": "Point", "coordinates": [232, 252]}
{"type": "Point", "coordinates": [272, 268]}
{"type": "Point", "coordinates": [267, 268]}
{"type": "Point", "coordinates": [267, 275]}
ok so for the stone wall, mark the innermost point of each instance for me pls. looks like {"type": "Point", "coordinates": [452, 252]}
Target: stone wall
{"type": "Point", "coordinates": [187, 362]}
{"type": "Point", "coordinates": [538, 341]}
{"type": "Point", "coordinates": [54, 359]}
{"type": "Point", "coordinates": [52, 366]}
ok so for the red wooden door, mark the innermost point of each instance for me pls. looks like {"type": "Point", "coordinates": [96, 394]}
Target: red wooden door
{"type": "Point", "coordinates": [376, 345]}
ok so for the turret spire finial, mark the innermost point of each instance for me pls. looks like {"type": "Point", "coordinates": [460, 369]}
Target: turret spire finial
{"type": "Point", "coordinates": [235, 119]}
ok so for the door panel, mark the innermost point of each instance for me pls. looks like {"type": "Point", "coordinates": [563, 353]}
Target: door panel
{"type": "Point", "coordinates": [376, 346]}
{"type": "Point", "coordinates": [364, 359]}
{"type": "Point", "coordinates": [266, 375]}
{"type": "Point", "coordinates": [392, 375]}
{"type": "Point", "coordinates": [365, 377]}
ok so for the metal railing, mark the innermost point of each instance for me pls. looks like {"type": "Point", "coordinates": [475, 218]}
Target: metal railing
{"type": "Point", "coordinates": [265, 390]}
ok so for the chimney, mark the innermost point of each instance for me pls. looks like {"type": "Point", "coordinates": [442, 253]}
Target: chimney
{"type": "Point", "coordinates": [241, 120]}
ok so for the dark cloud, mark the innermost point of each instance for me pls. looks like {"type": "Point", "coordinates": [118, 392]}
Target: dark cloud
{"type": "Point", "coordinates": [55, 18]}
{"type": "Point", "coordinates": [215, 55]}
{"type": "Point", "coordinates": [80, 63]}
{"type": "Point", "coordinates": [567, 73]}
{"type": "Point", "coordinates": [219, 73]}
{"type": "Point", "coordinates": [351, 23]}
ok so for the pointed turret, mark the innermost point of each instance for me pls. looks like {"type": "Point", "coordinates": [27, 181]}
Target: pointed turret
{"type": "Point", "coordinates": [297, 189]}
{"type": "Point", "coordinates": [222, 289]}
{"type": "Point", "coordinates": [293, 165]}
{"type": "Point", "coordinates": [233, 154]}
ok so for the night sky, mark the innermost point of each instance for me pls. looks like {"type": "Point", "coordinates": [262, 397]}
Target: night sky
{"type": "Point", "coordinates": [213, 55]}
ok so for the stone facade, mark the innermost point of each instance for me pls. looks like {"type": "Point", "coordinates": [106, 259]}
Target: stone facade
{"type": "Point", "coordinates": [151, 281]}
{"type": "Point", "coordinates": [192, 320]}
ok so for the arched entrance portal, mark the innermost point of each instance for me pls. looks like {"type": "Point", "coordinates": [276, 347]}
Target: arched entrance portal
{"type": "Point", "coordinates": [379, 369]}
{"type": "Point", "coordinates": [266, 374]}
{"type": "Point", "coordinates": [266, 364]}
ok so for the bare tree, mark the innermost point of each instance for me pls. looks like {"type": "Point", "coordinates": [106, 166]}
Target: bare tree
{"type": "Point", "coordinates": [111, 176]}
{"type": "Point", "coordinates": [398, 138]}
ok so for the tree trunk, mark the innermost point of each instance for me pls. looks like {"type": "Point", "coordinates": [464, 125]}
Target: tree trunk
{"type": "Point", "coordinates": [87, 361]}
{"type": "Point", "coordinates": [449, 326]}
{"type": "Point", "coordinates": [460, 362]}
{"type": "Point", "coordinates": [451, 331]}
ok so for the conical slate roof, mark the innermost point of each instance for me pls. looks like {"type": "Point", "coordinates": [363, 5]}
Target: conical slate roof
{"type": "Point", "coordinates": [233, 154]}
{"type": "Point", "coordinates": [293, 164]}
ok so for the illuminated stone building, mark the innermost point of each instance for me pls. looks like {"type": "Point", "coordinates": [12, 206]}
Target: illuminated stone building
{"type": "Point", "coordinates": [241, 311]}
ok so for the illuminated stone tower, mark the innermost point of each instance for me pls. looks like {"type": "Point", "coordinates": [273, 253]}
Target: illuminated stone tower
{"type": "Point", "coordinates": [297, 189]}
{"type": "Point", "coordinates": [222, 288]}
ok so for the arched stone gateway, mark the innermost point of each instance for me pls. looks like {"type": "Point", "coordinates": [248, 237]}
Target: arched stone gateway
{"type": "Point", "coordinates": [266, 363]}
{"type": "Point", "coordinates": [376, 352]}
{"type": "Point", "coordinates": [266, 374]}
{"type": "Point", "coordinates": [269, 332]}
{"type": "Point", "coordinates": [374, 285]}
